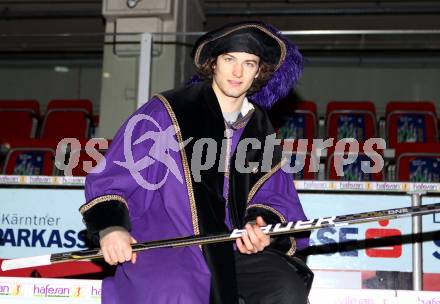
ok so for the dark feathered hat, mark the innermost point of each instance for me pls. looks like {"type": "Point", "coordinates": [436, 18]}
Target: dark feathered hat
{"type": "Point", "coordinates": [259, 39]}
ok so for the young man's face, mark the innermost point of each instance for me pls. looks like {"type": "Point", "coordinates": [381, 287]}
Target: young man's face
{"type": "Point", "coordinates": [234, 73]}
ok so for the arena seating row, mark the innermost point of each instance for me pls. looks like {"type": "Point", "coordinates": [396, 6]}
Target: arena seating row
{"type": "Point", "coordinates": [411, 162]}
{"type": "Point", "coordinates": [28, 140]}
{"type": "Point", "coordinates": [405, 122]}
{"type": "Point", "coordinates": [38, 157]}
{"type": "Point", "coordinates": [411, 130]}
{"type": "Point", "coordinates": [21, 119]}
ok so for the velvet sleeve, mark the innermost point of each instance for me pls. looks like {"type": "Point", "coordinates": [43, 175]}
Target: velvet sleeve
{"type": "Point", "coordinates": [115, 190]}
{"type": "Point", "coordinates": [277, 202]}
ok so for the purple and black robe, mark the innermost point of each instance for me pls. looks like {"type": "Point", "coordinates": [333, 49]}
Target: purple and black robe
{"type": "Point", "coordinates": [183, 205]}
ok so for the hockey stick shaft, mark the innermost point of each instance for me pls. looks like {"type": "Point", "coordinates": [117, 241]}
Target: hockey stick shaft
{"type": "Point", "coordinates": [272, 230]}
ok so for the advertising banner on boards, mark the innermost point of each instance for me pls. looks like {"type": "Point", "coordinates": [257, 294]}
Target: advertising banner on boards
{"type": "Point", "coordinates": [41, 221]}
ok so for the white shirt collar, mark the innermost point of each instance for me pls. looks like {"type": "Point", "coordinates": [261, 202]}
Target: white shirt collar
{"type": "Point", "coordinates": [246, 106]}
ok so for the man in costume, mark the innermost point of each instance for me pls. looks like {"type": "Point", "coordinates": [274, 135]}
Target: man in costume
{"type": "Point", "coordinates": [157, 191]}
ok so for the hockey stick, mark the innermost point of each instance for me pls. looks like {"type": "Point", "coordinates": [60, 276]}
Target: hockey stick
{"type": "Point", "coordinates": [272, 230]}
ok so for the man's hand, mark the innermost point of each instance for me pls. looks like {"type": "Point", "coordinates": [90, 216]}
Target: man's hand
{"type": "Point", "coordinates": [254, 240]}
{"type": "Point", "coordinates": [115, 247]}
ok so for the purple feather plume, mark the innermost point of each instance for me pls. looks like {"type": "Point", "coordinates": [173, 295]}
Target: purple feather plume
{"type": "Point", "coordinates": [283, 79]}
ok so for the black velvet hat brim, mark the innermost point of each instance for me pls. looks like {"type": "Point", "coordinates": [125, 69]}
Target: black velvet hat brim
{"type": "Point", "coordinates": [253, 38]}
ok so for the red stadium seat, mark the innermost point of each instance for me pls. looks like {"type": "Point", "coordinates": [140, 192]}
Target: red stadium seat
{"type": "Point", "coordinates": [414, 122]}
{"type": "Point", "coordinates": [351, 119]}
{"type": "Point", "coordinates": [417, 162]}
{"type": "Point", "coordinates": [67, 118]}
{"type": "Point", "coordinates": [18, 118]}
{"type": "Point", "coordinates": [353, 171]}
{"type": "Point", "coordinates": [30, 157]}
{"type": "Point", "coordinates": [295, 119]}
